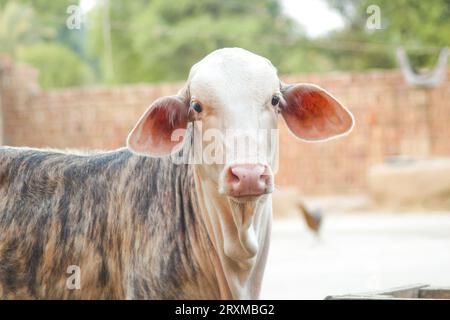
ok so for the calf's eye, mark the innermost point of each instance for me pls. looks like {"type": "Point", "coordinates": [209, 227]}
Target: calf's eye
{"type": "Point", "coordinates": [197, 107]}
{"type": "Point", "coordinates": [275, 100]}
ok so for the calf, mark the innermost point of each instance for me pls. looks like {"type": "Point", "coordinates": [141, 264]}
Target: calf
{"type": "Point", "coordinates": [174, 215]}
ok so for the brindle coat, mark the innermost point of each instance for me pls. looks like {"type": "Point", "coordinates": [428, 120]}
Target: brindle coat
{"type": "Point", "coordinates": [127, 221]}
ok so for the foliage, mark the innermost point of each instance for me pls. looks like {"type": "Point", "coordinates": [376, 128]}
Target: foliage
{"type": "Point", "coordinates": [58, 65]}
{"type": "Point", "coordinates": [421, 26]}
{"type": "Point", "coordinates": [18, 26]}
{"type": "Point", "coordinates": [164, 39]}
{"type": "Point", "coordinates": [158, 40]}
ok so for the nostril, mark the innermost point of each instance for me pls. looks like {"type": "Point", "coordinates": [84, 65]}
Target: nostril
{"type": "Point", "coordinates": [233, 177]}
{"type": "Point", "coordinates": [239, 172]}
{"type": "Point", "coordinates": [264, 177]}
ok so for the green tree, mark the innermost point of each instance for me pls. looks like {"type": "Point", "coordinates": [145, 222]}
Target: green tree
{"type": "Point", "coordinates": [19, 26]}
{"type": "Point", "coordinates": [58, 65]}
{"type": "Point", "coordinates": [422, 27]}
{"type": "Point", "coordinates": [160, 40]}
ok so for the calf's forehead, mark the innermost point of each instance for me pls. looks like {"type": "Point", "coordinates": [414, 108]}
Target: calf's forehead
{"type": "Point", "coordinates": [230, 74]}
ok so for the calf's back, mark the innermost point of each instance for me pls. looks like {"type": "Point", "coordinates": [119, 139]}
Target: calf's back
{"type": "Point", "coordinates": [121, 218]}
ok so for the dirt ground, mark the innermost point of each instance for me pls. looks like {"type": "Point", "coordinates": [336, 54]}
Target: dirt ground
{"type": "Point", "coordinates": [357, 252]}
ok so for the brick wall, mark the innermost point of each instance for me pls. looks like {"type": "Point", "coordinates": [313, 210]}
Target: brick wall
{"type": "Point", "coordinates": [391, 119]}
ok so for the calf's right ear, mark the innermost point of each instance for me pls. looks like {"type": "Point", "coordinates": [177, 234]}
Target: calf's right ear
{"type": "Point", "coordinates": [156, 133]}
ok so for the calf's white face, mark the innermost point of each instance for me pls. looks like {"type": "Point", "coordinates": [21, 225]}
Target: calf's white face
{"type": "Point", "coordinates": [233, 98]}
{"type": "Point", "coordinates": [235, 89]}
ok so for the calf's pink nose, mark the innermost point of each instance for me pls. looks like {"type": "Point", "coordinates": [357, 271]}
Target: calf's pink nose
{"type": "Point", "coordinates": [247, 180]}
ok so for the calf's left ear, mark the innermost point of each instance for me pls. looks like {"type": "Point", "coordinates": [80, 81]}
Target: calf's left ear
{"type": "Point", "coordinates": [313, 114]}
{"type": "Point", "coordinates": [156, 134]}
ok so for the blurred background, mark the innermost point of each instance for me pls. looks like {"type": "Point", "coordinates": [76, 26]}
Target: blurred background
{"type": "Point", "coordinates": [366, 212]}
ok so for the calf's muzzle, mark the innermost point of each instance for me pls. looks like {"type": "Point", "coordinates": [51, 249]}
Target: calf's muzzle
{"type": "Point", "coordinates": [242, 180]}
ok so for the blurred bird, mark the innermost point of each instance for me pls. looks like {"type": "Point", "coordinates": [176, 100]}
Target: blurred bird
{"type": "Point", "coordinates": [313, 218]}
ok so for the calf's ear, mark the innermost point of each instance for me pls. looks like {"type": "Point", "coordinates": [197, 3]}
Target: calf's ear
{"type": "Point", "coordinates": [313, 114]}
{"type": "Point", "coordinates": [156, 133]}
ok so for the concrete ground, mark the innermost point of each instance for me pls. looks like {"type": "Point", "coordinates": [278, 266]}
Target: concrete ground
{"type": "Point", "coordinates": [357, 252]}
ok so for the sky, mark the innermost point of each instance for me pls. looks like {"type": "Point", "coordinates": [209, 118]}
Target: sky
{"type": "Point", "coordinates": [87, 5]}
{"type": "Point", "coordinates": [314, 15]}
